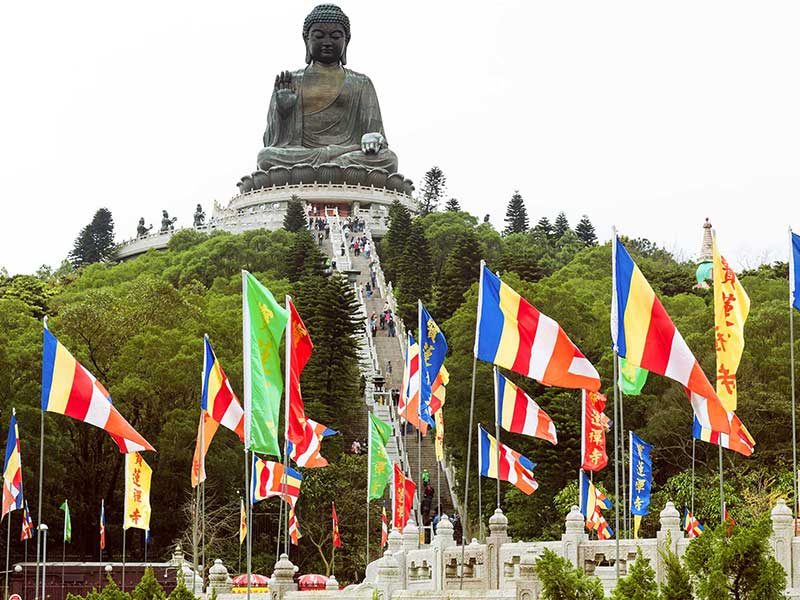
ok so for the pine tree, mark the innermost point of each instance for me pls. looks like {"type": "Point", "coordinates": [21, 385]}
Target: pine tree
{"type": "Point", "coordinates": [543, 230]}
{"type": "Point", "coordinates": [561, 580]}
{"type": "Point", "coordinates": [560, 225]}
{"type": "Point", "coordinates": [585, 231]}
{"type": "Point", "coordinates": [304, 257]}
{"type": "Point", "coordinates": [640, 583]}
{"type": "Point", "coordinates": [459, 272]}
{"type": "Point", "coordinates": [295, 217]}
{"type": "Point", "coordinates": [453, 205]}
{"type": "Point", "coordinates": [415, 277]}
{"type": "Point", "coordinates": [516, 215]}
{"type": "Point", "coordinates": [677, 585]}
{"type": "Point", "coordinates": [433, 189]}
{"type": "Point", "coordinates": [95, 242]}
{"type": "Point", "coordinates": [393, 245]}
{"type": "Point", "coordinates": [148, 587]}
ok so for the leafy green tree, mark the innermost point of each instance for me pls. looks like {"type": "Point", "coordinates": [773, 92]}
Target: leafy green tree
{"type": "Point", "coordinates": [640, 583]}
{"type": "Point", "coordinates": [560, 225]}
{"type": "Point", "coordinates": [677, 584]}
{"type": "Point", "coordinates": [95, 242]}
{"type": "Point", "coordinates": [32, 291]}
{"type": "Point", "coordinates": [740, 567]}
{"type": "Point", "coordinates": [148, 587]}
{"type": "Point", "coordinates": [561, 581]}
{"type": "Point", "coordinates": [452, 205]}
{"type": "Point", "coordinates": [585, 231]}
{"type": "Point", "coordinates": [433, 190]}
{"type": "Point", "coordinates": [295, 217]}
{"type": "Point", "coordinates": [459, 273]}
{"type": "Point", "coordinates": [443, 230]}
{"type": "Point", "coordinates": [516, 215]}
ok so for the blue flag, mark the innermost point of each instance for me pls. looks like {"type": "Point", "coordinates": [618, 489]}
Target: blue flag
{"type": "Point", "coordinates": [794, 271]}
{"type": "Point", "coordinates": [641, 475]}
{"type": "Point", "coordinates": [433, 348]}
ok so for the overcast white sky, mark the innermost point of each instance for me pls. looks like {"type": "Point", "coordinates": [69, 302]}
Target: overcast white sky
{"type": "Point", "coordinates": [647, 115]}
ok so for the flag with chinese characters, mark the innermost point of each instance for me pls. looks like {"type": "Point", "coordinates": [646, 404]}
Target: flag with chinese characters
{"type": "Point", "coordinates": [263, 325]}
{"type": "Point", "coordinates": [138, 475]}
{"type": "Point", "coordinates": [337, 539]}
{"type": "Point", "coordinates": [433, 349]}
{"type": "Point", "coordinates": [242, 521]}
{"type": "Point", "coordinates": [631, 378]}
{"type": "Point", "coordinates": [380, 467]}
{"type": "Point", "coordinates": [640, 477]}
{"type": "Point", "coordinates": [438, 417]}
{"type": "Point", "coordinates": [403, 489]}
{"type": "Point", "coordinates": [593, 428]}
{"type": "Point", "coordinates": [731, 307]}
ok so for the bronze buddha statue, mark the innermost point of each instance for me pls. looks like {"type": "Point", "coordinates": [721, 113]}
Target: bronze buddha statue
{"type": "Point", "coordinates": [325, 113]}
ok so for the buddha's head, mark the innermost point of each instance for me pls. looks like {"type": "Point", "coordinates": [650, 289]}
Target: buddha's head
{"type": "Point", "coordinates": [326, 32]}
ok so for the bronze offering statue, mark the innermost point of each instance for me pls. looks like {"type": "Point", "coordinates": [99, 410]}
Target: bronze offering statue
{"type": "Point", "coordinates": [141, 229]}
{"type": "Point", "coordinates": [199, 216]}
{"type": "Point", "coordinates": [167, 224]}
{"type": "Point", "coordinates": [325, 113]}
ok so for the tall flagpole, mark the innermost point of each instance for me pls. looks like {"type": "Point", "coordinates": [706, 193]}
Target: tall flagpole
{"type": "Point", "coordinates": [249, 539]}
{"type": "Point", "coordinates": [464, 524]}
{"type": "Point", "coordinates": [792, 284]}
{"type": "Point", "coordinates": [203, 526]}
{"type": "Point", "coordinates": [497, 417]}
{"type": "Point", "coordinates": [286, 396]}
{"type": "Point", "coordinates": [420, 483]}
{"type": "Point", "coordinates": [614, 317]}
{"type": "Point", "coordinates": [124, 536]}
{"type": "Point", "coordinates": [369, 476]}
{"type": "Point", "coordinates": [39, 500]}
{"type": "Point", "coordinates": [625, 517]}
{"type": "Point", "coordinates": [694, 447]}
{"type": "Point", "coordinates": [480, 492]}
{"type": "Point", "coordinates": [247, 415]}
{"type": "Point", "coordinates": [8, 551]}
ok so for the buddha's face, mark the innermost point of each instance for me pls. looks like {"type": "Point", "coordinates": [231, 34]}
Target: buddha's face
{"type": "Point", "coordinates": [326, 43]}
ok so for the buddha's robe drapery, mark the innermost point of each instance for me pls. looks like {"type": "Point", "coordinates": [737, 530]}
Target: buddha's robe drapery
{"type": "Point", "coordinates": [329, 135]}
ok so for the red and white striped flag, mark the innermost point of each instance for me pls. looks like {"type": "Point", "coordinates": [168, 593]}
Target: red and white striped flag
{"type": "Point", "coordinates": [518, 413]}
{"type": "Point", "coordinates": [384, 528]}
{"type": "Point", "coordinates": [294, 527]}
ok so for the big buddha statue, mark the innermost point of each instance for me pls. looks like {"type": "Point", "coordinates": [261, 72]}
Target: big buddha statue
{"type": "Point", "coordinates": [325, 113]}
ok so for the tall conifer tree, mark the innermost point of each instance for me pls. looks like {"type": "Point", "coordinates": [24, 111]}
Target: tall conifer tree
{"type": "Point", "coordinates": [95, 242]}
{"type": "Point", "coordinates": [516, 215]}
{"type": "Point", "coordinates": [560, 225]}
{"type": "Point", "coordinates": [460, 271]}
{"type": "Point", "coordinates": [585, 231]}
{"type": "Point", "coordinates": [295, 217]}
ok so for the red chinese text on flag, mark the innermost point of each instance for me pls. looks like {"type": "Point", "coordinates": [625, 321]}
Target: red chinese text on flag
{"type": "Point", "coordinates": [337, 539]}
{"type": "Point", "coordinates": [403, 489]}
{"type": "Point", "coordinates": [593, 427]}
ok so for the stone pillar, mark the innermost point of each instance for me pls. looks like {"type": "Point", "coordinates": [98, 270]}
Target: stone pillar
{"type": "Point", "coordinates": [388, 580]}
{"type": "Point", "coordinates": [443, 539]}
{"type": "Point", "coordinates": [218, 578]}
{"type": "Point", "coordinates": [395, 541]}
{"type": "Point", "coordinates": [282, 578]}
{"type": "Point", "coordinates": [332, 585]}
{"type": "Point", "coordinates": [527, 583]}
{"type": "Point", "coordinates": [574, 536]}
{"type": "Point", "coordinates": [667, 536]}
{"type": "Point", "coordinates": [498, 535]}
{"type": "Point", "coordinates": [411, 536]}
{"type": "Point", "coordinates": [781, 539]}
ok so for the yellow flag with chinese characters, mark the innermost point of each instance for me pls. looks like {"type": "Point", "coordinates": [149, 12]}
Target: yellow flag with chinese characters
{"type": "Point", "coordinates": [137, 492]}
{"type": "Point", "coordinates": [438, 417]}
{"type": "Point", "coordinates": [731, 307]}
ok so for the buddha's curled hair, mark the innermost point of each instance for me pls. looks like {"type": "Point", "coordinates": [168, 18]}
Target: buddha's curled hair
{"type": "Point", "coordinates": [327, 13]}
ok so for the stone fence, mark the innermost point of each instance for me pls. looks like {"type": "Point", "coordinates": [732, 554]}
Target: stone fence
{"type": "Point", "coordinates": [503, 569]}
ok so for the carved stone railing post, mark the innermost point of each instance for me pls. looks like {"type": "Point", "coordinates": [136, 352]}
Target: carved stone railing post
{"type": "Point", "coordinates": [282, 578]}
{"type": "Point", "coordinates": [388, 579]}
{"type": "Point", "coordinates": [218, 578]}
{"type": "Point", "coordinates": [411, 536]}
{"type": "Point", "coordinates": [573, 536]}
{"type": "Point", "coordinates": [332, 585]}
{"type": "Point", "coordinates": [498, 535]}
{"type": "Point", "coordinates": [442, 540]}
{"type": "Point", "coordinates": [527, 582]}
{"type": "Point", "coordinates": [781, 538]}
{"type": "Point", "coordinates": [667, 536]}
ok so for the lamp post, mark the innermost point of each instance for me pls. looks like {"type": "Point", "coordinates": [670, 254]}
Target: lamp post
{"type": "Point", "coordinates": [43, 529]}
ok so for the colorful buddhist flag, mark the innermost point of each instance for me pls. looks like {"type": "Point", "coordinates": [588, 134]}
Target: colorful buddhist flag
{"type": "Point", "coordinates": [438, 418]}
{"type": "Point", "coordinates": [270, 480]}
{"type": "Point", "coordinates": [314, 433]}
{"type": "Point", "coordinates": [408, 406]}
{"type": "Point", "coordinates": [102, 524]}
{"type": "Point", "coordinates": [509, 466]}
{"type": "Point", "coordinates": [512, 334]}
{"type": "Point", "coordinates": [380, 467]}
{"type": "Point", "coordinates": [433, 349]}
{"type": "Point", "coordinates": [263, 324]}
{"type": "Point", "coordinates": [439, 390]}
{"type": "Point", "coordinates": [12, 469]}
{"type": "Point", "coordinates": [403, 489]}
{"type": "Point", "coordinates": [206, 429]}
{"type": "Point", "coordinates": [631, 378]}
{"type": "Point", "coordinates": [384, 528]}
{"type": "Point", "coordinates": [598, 522]}
{"type": "Point", "coordinates": [691, 525]}
{"type": "Point", "coordinates": [644, 334]}
{"type": "Point", "coordinates": [592, 502]}
{"type": "Point", "coordinates": [739, 439]}
{"type": "Point", "coordinates": [242, 521]}
{"type": "Point", "coordinates": [731, 307]}
{"type": "Point", "coordinates": [27, 524]}
{"type": "Point", "coordinates": [640, 477]}
{"type": "Point", "coordinates": [794, 270]}
{"type": "Point", "coordinates": [69, 389]}
{"type": "Point", "coordinates": [294, 527]}
{"type": "Point", "coordinates": [518, 413]}
{"type": "Point", "coordinates": [138, 476]}
{"type": "Point", "coordinates": [337, 540]}
{"type": "Point", "coordinates": [67, 522]}
{"type": "Point", "coordinates": [217, 397]}
{"type": "Point", "coordinates": [730, 521]}
{"type": "Point", "coordinates": [593, 431]}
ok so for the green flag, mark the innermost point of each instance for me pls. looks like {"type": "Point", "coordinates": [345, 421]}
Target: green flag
{"type": "Point", "coordinates": [263, 325]}
{"type": "Point", "coordinates": [631, 378]}
{"type": "Point", "coordinates": [380, 467]}
{"type": "Point", "coordinates": [67, 522]}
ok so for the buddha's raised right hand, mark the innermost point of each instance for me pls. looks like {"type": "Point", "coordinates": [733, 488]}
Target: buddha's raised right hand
{"type": "Point", "coordinates": [285, 95]}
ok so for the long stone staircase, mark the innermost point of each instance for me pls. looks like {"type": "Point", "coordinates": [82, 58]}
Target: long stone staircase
{"type": "Point", "coordinates": [382, 356]}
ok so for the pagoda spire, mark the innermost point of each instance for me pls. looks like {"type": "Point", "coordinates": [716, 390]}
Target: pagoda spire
{"type": "Point", "coordinates": [705, 265]}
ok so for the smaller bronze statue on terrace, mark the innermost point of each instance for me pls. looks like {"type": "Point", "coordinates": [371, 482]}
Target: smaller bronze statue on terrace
{"type": "Point", "coordinates": [141, 229]}
{"type": "Point", "coordinates": [199, 216]}
{"type": "Point", "coordinates": [167, 224]}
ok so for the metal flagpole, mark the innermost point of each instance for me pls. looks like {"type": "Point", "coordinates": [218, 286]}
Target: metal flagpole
{"type": "Point", "coordinates": [8, 551]}
{"type": "Point", "coordinates": [420, 483]}
{"type": "Point", "coordinates": [63, 560]}
{"type": "Point", "coordinates": [626, 516]}
{"type": "Point", "coordinates": [195, 515]}
{"type": "Point", "coordinates": [43, 529]}
{"type": "Point", "coordinates": [497, 417]}
{"type": "Point", "coordinates": [480, 496]}
{"type": "Point", "coordinates": [39, 510]}
{"type": "Point", "coordinates": [616, 462]}
{"type": "Point", "coordinates": [124, 536]}
{"type": "Point", "coordinates": [721, 489]}
{"type": "Point", "coordinates": [369, 476]}
{"type": "Point", "coordinates": [247, 467]}
{"type": "Point", "coordinates": [694, 446]}
{"type": "Point", "coordinates": [203, 530]}
{"type": "Point", "coordinates": [792, 284]}
{"type": "Point", "coordinates": [145, 536]}
{"type": "Point", "coordinates": [279, 537]}
{"type": "Point", "coordinates": [464, 522]}
{"type": "Point", "coordinates": [25, 570]}
{"type": "Point", "coordinates": [286, 396]}
{"type": "Point", "coordinates": [439, 488]}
